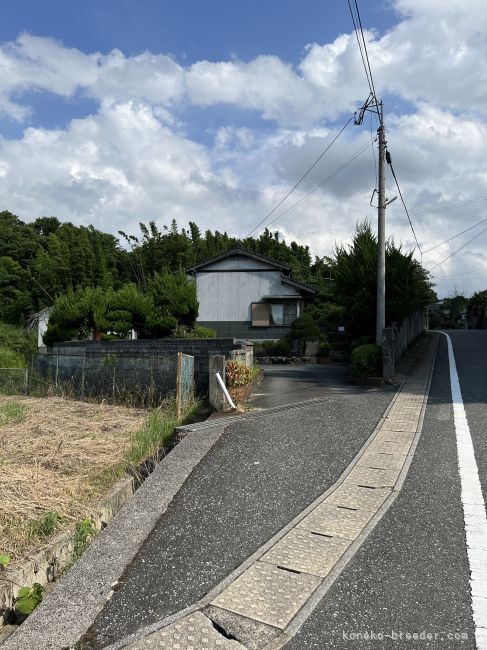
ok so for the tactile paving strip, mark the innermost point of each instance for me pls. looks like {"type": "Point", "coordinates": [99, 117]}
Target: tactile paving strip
{"type": "Point", "coordinates": [378, 478]}
{"type": "Point", "coordinates": [330, 519]}
{"type": "Point", "coordinates": [353, 496]}
{"type": "Point", "coordinates": [193, 632]}
{"type": "Point", "coordinates": [394, 436]}
{"type": "Point", "coordinates": [395, 448]}
{"type": "Point", "coordinates": [268, 594]}
{"type": "Point", "coordinates": [301, 550]}
{"type": "Point", "coordinates": [393, 424]}
{"type": "Point", "coordinates": [384, 460]}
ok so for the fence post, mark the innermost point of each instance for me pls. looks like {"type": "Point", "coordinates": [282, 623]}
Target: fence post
{"type": "Point", "coordinates": [388, 353]}
{"type": "Point", "coordinates": [26, 381]}
{"type": "Point", "coordinates": [216, 363]}
{"type": "Point", "coordinates": [178, 384]}
{"type": "Point", "coordinates": [82, 392]}
{"type": "Point", "coordinates": [57, 370]}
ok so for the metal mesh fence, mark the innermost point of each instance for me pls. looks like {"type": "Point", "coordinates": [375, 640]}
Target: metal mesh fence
{"type": "Point", "coordinates": [131, 380]}
{"type": "Point", "coordinates": [14, 381]}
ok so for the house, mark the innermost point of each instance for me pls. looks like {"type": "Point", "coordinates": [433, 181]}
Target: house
{"type": "Point", "coordinates": [245, 295]}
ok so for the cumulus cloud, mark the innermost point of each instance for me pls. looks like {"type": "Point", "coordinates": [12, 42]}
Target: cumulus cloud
{"type": "Point", "coordinates": [132, 160]}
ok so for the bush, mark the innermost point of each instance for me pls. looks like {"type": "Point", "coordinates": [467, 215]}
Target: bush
{"type": "Point", "coordinates": [280, 348]}
{"type": "Point", "coordinates": [20, 340]}
{"type": "Point", "coordinates": [237, 374]}
{"type": "Point", "coordinates": [324, 349]}
{"type": "Point", "coordinates": [10, 359]}
{"type": "Point", "coordinates": [367, 361]}
{"type": "Point", "coordinates": [197, 332]}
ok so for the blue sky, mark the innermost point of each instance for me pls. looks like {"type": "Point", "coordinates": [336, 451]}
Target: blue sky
{"type": "Point", "coordinates": [190, 29]}
{"type": "Point", "coordinates": [116, 111]}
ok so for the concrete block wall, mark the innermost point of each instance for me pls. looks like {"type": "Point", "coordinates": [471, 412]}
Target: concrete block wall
{"type": "Point", "coordinates": [93, 366]}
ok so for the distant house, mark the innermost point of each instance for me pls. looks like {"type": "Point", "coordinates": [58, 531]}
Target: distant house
{"type": "Point", "coordinates": [245, 295]}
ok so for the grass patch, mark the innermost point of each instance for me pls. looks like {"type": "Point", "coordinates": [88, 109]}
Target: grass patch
{"type": "Point", "coordinates": [45, 525]}
{"type": "Point", "coordinates": [149, 443]}
{"type": "Point", "coordinates": [11, 412]}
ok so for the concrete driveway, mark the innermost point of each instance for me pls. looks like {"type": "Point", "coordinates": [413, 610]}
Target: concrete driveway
{"type": "Point", "coordinates": [288, 384]}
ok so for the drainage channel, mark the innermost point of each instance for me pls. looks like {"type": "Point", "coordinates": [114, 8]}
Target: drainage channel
{"type": "Point", "coordinates": [264, 602]}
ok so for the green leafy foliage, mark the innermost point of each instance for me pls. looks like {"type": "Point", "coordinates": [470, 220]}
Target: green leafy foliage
{"type": "Point", "coordinates": [4, 560]}
{"type": "Point", "coordinates": [196, 332]}
{"type": "Point", "coordinates": [15, 298]}
{"type": "Point", "coordinates": [367, 361]}
{"type": "Point", "coordinates": [237, 374]}
{"type": "Point", "coordinates": [305, 328]}
{"type": "Point", "coordinates": [19, 340]}
{"type": "Point", "coordinates": [10, 359]}
{"type": "Point", "coordinates": [84, 533]}
{"type": "Point", "coordinates": [408, 285]}
{"type": "Point", "coordinates": [28, 598]}
{"type": "Point", "coordinates": [174, 302]}
{"type": "Point", "coordinates": [280, 348]}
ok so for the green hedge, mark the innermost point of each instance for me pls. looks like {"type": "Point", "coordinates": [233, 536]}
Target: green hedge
{"type": "Point", "coordinates": [367, 361]}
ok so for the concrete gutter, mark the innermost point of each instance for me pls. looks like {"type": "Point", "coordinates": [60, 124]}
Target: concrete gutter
{"type": "Point", "coordinates": [70, 609]}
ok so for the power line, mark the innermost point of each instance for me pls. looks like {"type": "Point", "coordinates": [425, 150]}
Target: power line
{"type": "Point", "coordinates": [325, 150]}
{"type": "Point", "coordinates": [389, 160]}
{"type": "Point", "coordinates": [454, 236]}
{"type": "Point", "coordinates": [456, 204]}
{"type": "Point", "coordinates": [369, 79]}
{"type": "Point", "coordinates": [365, 49]}
{"type": "Point", "coordinates": [327, 178]}
{"type": "Point", "coordinates": [459, 249]}
{"type": "Point", "coordinates": [449, 277]}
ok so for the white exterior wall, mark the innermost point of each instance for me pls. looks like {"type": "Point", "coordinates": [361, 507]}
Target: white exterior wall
{"type": "Point", "coordinates": [227, 295]}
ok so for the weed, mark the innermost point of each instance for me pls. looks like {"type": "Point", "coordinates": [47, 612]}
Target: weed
{"type": "Point", "coordinates": [45, 525]}
{"type": "Point", "coordinates": [84, 533]}
{"type": "Point", "coordinates": [28, 598]}
{"type": "Point", "coordinates": [10, 412]}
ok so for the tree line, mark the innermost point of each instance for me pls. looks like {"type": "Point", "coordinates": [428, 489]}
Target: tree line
{"type": "Point", "coordinates": [45, 262]}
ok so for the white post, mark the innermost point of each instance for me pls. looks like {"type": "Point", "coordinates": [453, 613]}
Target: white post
{"type": "Point", "coordinates": [224, 389]}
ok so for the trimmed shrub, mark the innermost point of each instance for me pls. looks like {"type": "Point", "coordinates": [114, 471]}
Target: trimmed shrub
{"type": "Point", "coordinates": [367, 361]}
{"type": "Point", "coordinates": [237, 374]}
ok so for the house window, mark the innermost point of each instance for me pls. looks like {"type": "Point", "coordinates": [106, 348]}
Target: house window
{"type": "Point", "coordinates": [265, 314]}
{"type": "Point", "coordinates": [260, 314]}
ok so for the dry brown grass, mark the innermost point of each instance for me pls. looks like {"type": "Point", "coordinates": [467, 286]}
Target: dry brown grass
{"type": "Point", "coordinates": [56, 458]}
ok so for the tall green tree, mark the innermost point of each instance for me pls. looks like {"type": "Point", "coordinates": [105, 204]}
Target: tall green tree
{"type": "Point", "coordinates": [408, 284]}
{"type": "Point", "coordinates": [15, 298]}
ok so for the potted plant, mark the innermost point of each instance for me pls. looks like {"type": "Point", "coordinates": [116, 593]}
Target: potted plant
{"type": "Point", "coordinates": [324, 352]}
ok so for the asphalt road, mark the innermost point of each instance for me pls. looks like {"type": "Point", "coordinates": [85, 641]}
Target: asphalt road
{"type": "Point", "coordinates": [412, 575]}
{"type": "Point", "coordinates": [257, 477]}
{"type": "Point", "coordinates": [288, 384]}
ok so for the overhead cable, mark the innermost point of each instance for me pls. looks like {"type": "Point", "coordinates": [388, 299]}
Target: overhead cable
{"type": "Point", "coordinates": [459, 249]}
{"type": "Point", "coordinates": [454, 236]}
{"type": "Point", "coordinates": [325, 150]}
{"type": "Point", "coordinates": [327, 178]}
{"type": "Point", "coordinates": [389, 161]}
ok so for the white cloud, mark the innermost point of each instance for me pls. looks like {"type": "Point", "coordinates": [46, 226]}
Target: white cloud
{"type": "Point", "coordinates": [132, 159]}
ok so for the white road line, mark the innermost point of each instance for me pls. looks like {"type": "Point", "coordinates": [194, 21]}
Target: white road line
{"type": "Point", "coordinates": [474, 514]}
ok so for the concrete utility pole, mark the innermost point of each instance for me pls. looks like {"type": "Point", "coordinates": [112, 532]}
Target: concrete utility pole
{"type": "Point", "coordinates": [381, 233]}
